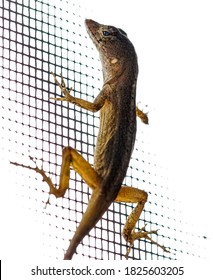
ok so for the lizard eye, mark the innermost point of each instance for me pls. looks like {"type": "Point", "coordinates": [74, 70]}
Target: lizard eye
{"type": "Point", "coordinates": [106, 33]}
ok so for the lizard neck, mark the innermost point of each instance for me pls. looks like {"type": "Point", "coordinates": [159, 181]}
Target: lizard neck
{"type": "Point", "coordinates": [118, 67]}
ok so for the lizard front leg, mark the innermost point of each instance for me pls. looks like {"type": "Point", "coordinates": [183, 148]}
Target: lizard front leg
{"type": "Point", "coordinates": [91, 106]}
{"type": "Point", "coordinates": [134, 195]}
{"type": "Point", "coordinates": [96, 105]}
{"type": "Point", "coordinates": [143, 116]}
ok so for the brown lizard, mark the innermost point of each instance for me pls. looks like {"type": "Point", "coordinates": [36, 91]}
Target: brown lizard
{"type": "Point", "coordinates": [115, 141]}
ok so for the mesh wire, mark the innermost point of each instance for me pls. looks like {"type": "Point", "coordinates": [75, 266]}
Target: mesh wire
{"type": "Point", "coordinates": [38, 37]}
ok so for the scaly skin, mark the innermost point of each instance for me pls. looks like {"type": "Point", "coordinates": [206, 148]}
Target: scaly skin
{"type": "Point", "coordinates": [117, 122]}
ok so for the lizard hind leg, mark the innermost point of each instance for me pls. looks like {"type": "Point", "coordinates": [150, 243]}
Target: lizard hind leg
{"type": "Point", "coordinates": [134, 195]}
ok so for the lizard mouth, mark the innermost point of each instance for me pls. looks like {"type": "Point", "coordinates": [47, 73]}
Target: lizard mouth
{"type": "Point", "coordinates": [92, 28]}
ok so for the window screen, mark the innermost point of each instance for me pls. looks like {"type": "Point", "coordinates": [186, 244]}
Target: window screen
{"type": "Point", "coordinates": [38, 37]}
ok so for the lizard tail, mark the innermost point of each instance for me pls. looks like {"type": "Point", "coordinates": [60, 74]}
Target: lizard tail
{"type": "Point", "coordinates": [97, 206]}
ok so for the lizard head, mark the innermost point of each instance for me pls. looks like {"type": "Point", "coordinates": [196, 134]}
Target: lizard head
{"type": "Point", "coordinates": [112, 43]}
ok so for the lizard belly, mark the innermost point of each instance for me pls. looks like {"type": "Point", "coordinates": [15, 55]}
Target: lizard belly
{"type": "Point", "coordinates": [115, 142]}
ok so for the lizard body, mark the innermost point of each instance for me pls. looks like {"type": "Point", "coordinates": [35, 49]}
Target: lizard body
{"type": "Point", "coordinates": [117, 130]}
{"type": "Point", "coordinates": [115, 141]}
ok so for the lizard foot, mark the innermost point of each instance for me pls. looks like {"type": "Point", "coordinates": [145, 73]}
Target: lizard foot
{"type": "Point", "coordinates": [45, 178]}
{"type": "Point", "coordinates": [142, 233]}
{"type": "Point", "coordinates": [67, 96]}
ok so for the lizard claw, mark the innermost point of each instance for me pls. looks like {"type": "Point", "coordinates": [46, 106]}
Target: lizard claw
{"type": "Point", "coordinates": [65, 91]}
